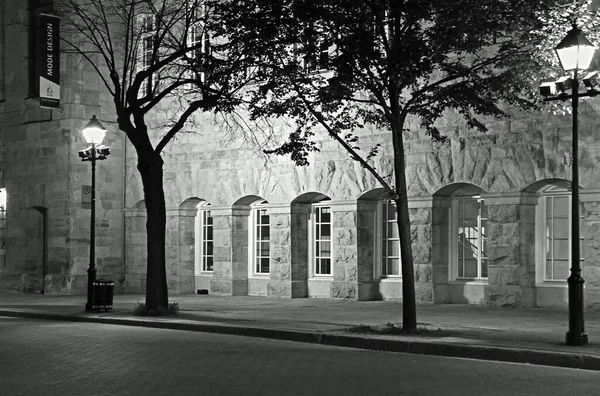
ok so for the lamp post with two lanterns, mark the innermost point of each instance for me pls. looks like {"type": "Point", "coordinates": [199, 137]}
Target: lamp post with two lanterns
{"type": "Point", "coordinates": [93, 133]}
{"type": "Point", "coordinates": [575, 53]}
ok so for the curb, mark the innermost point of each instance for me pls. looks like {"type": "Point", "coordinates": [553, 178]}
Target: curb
{"type": "Point", "coordinates": [371, 342]}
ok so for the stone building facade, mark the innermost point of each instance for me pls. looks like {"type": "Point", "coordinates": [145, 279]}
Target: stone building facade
{"type": "Point", "coordinates": [489, 211]}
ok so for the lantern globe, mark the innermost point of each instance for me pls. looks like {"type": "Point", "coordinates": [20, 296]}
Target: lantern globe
{"type": "Point", "coordinates": [575, 51]}
{"type": "Point", "coordinates": [94, 131]}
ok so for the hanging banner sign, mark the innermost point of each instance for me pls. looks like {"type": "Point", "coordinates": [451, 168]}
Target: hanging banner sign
{"type": "Point", "coordinates": [86, 197]}
{"type": "Point", "coordinates": [48, 61]}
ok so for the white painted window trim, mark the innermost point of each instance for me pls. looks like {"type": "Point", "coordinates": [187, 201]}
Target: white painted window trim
{"type": "Point", "coordinates": [199, 240]}
{"type": "Point", "coordinates": [379, 239]}
{"type": "Point", "coordinates": [143, 50]}
{"type": "Point", "coordinates": [540, 232]}
{"type": "Point", "coordinates": [205, 37]}
{"type": "Point", "coordinates": [312, 242]}
{"type": "Point", "coordinates": [252, 240]}
{"type": "Point", "coordinates": [453, 245]}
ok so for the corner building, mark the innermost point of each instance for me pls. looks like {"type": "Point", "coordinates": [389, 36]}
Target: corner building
{"type": "Point", "coordinates": [490, 212]}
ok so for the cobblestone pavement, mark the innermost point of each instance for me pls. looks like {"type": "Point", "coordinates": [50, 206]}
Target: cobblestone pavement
{"type": "Point", "coordinates": [63, 358]}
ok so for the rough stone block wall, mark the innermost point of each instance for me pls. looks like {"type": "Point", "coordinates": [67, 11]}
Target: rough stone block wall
{"type": "Point", "coordinates": [280, 283]}
{"type": "Point", "coordinates": [510, 279]}
{"type": "Point", "coordinates": [299, 249]}
{"type": "Point", "coordinates": [421, 237]}
{"type": "Point", "coordinates": [221, 283]}
{"type": "Point", "coordinates": [136, 252]}
{"type": "Point", "coordinates": [591, 252]}
{"type": "Point", "coordinates": [345, 258]}
{"type": "Point", "coordinates": [186, 247]}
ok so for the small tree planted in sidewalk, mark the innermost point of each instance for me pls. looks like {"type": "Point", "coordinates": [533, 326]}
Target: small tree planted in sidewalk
{"type": "Point", "coordinates": [343, 65]}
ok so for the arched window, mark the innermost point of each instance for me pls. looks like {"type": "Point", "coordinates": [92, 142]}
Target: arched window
{"type": "Point", "coordinates": [470, 214]}
{"type": "Point", "coordinates": [260, 239]}
{"type": "Point", "coordinates": [321, 249]}
{"type": "Point", "coordinates": [555, 233]}
{"type": "Point", "coordinates": [204, 239]}
{"type": "Point", "coordinates": [389, 248]}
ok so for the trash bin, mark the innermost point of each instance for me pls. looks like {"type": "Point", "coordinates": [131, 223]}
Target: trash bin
{"type": "Point", "coordinates": [102, 294]}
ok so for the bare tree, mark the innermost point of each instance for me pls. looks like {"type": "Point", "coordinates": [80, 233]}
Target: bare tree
{"type": "Point", "coordinates": [152, 55]}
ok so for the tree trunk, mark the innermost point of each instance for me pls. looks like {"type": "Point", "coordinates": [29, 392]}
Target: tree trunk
{"type": "Point", "coordinates": [150, 166]}
{"type": "Point", "coordinates": [409, 308]}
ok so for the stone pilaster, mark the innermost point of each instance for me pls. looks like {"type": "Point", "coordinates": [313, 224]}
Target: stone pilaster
{"type": "Point", "coordinates": [440, 248]}
{"type": "Point", "coordinates": [299, 214]}
{"type": "Point", "coordinates": [282, 282]}
{"type": "Point", "coordinates": [230, 268]}
{"type": "Point", "coordinates": [136, 254]}
{"type": "Point", "coordinates": [421, 235]}
{"type": "Point", "coordinates": [349, 280]}
{"type": "Point", "coordinates": [180, 249]}
{"type": "Point", "coordinates": [511, 241]}
{"type": "Point", "coordinates": [590, 230]}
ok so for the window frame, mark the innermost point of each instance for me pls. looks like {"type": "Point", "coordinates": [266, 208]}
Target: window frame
{"type": "Point", "coordinates": [553, 192]}
{"type": "Point", "coordinates": [453, 240]}
{"type": "Point", "coordinates": [313, 224]}
{"type": "Point", "coordinates": [200, 231]}
{"type": "Point", "coordinates": [196, 22]}
{"type": "Point", "coordinates": [253, 258]}
{"type": "Point", "coordinates": [146, 35]}
{"type": "Point", "coordinates": [381, 239]}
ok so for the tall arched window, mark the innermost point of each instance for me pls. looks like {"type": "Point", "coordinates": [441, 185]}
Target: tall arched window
{"type": "Point", "coordinates": [260, 239]}
{"type": "Point", "coordinates": [470, 219]}
{"type": "Point", "coordinates": [321, 225]}
{"type": "Point", "coordinates": [204, 239]}
{"type": "Point", "coordinates": [555, 233]}
{"type": "Point", "coordinates": [390, 241]}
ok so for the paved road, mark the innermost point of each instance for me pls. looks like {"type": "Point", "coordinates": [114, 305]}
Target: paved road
{"type": "Point", "coordinates": [61, 358]}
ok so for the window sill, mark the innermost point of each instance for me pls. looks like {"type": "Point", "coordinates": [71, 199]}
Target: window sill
{"type": "Point", "coordinates": [390, 279]}
{"type": "Point", "coordinates": [260, 276]}
{"type": "Point", "coordinates": [327, 278]}
{"type": "Point", "coordinates": [469, 282]}
{"type": "Point", "coordinates": [550, 284]}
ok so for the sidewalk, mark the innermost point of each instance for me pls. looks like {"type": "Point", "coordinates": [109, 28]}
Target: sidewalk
{"type": "Point", "coordinates": [526, 335]}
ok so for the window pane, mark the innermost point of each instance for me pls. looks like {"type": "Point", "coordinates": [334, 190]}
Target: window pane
{"type": "Point", "coordinates": [561, 228]}
{"type": "Point", "coordinates": [560, 248]}
{"type": "Point", "coordinates": [325, 215]}
{"type": "Point", "coordinates": [325, 249]}
{"type": "Point", "coordinates": [393, 249]}
{"type": "Point", "coordinates": [392, 230]}
{"type": "Point", "coordinates": [209, 264]}
{"type": "Point", "coordinates": [209, 233]}
{"type": "Point", "coordinates": [561, 206]}
{"type": "Point", "coordinates": [264, 235]}
{"type": "Point", "coordinates": [484, 264]}
{"type": "Point", "coordinates": [471, 208]}
{"type": "Point", "coordinates": [391, 211]}
{"type": "Point", "coordinates": [325, 266]}
{"type": "Point", "coordinates": [561, 270]}
{"type": "Point", "coordinates": [470, 268]}
{"type": "Point", "coordinates": [325, 231]}
{"type": "Point", "coordinates": [209, 248]}
{"type": "Point", "coordinates": [264, 265]}
{"type": "Point", "coordinates": [393, 266]}
{"type": "Point", "coordinates": [264, 248]}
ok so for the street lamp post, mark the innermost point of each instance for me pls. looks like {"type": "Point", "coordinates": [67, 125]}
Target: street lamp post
{"type": "Point", "coordinates": [575, 53]}
{"type": "Point", "coordinates": [93, 133]}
